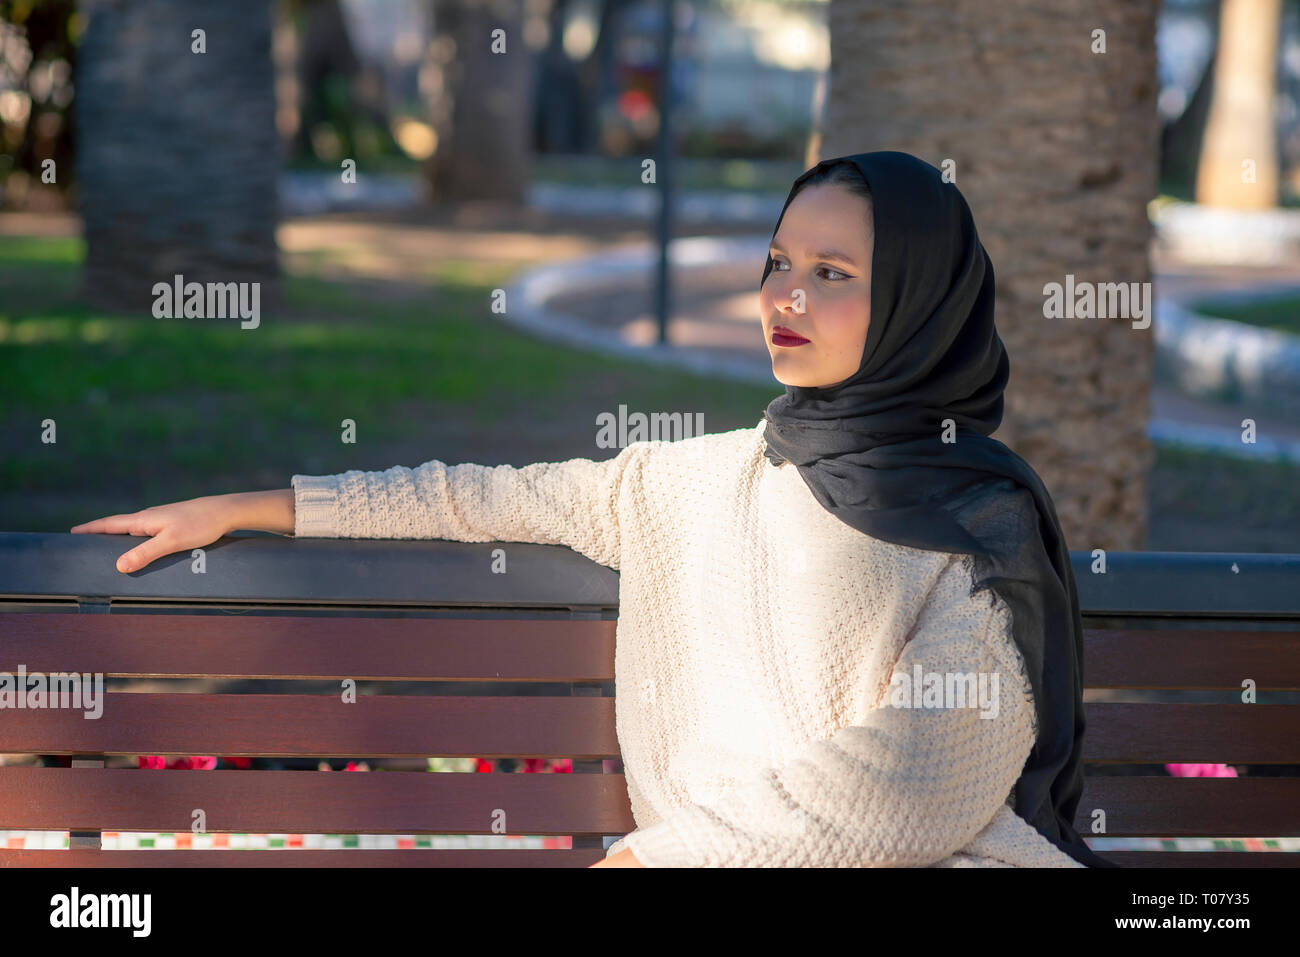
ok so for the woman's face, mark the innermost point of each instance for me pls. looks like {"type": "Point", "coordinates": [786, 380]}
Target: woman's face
{"type": "Point", "coordinates": [819, 288]}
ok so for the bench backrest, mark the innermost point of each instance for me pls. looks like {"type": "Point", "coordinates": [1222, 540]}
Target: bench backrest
{"type": "Point", "coordinates": [1206, 629]}
{"type": "Point", "coordinates": [465, 631]}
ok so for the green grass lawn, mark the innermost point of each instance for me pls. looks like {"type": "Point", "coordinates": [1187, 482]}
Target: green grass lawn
{"type": "Point", "coordinates": [1282, 313]}
{"type": "Point", "coordinates": [150, 410]}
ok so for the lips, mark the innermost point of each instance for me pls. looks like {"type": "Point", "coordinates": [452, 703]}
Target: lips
{"type": "Point", "coordinates": [784, 336]}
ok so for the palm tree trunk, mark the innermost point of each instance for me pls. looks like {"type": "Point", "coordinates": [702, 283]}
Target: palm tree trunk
{"type": "Point", "coordinates": [481, 101]}
{"type": "Point", "coordinates": [1055, 149]}
{"type": "Point", "coordinates": [177, 150]}
{"type": "Point", "coordinates": [1238, 164]}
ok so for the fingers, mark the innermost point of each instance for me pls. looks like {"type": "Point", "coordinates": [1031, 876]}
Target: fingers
{"type": "Point", "coordinates": [131, 523]}
{"type": "Point", "coordinates": [142, 555]}
{"type": "Point", "coordinates": [110, 525]}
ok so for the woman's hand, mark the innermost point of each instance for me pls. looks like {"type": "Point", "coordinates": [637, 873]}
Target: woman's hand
{"type": "Point", "coordinates": [196, 522]}
{"type": "Point", "coordinates": [624, 858]}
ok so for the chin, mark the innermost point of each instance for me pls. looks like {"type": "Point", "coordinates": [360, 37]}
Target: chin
{"type": "Point", "coordinates": [789, 377]}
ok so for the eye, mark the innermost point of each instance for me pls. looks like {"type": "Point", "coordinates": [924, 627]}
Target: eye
{"type": "Point", "coordinates": [838, 276]}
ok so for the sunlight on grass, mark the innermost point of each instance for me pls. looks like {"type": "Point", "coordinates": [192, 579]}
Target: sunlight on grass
{"type": "Point", "coordinates": [61, 250]}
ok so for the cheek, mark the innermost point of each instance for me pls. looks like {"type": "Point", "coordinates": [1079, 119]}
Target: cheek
{"type": "Point", "coordinates": [842, 322]}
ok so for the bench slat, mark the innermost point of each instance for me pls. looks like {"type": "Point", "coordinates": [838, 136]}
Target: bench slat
{"type": "Point", "coordinates": [579, 727]}
{"type": "Point", "coordinates": [365, 857]}
{"type": "Point", "coordinates": [1154, 806]}
{"type": "Point", "coordinates": [370, 858]}
{"type": "Point", "coordinates": [411, 802]}
{"type": "Point", "coordinates": [312, 857]}
{"type": "Point", "coordinates": [324, 647]}
{"type": "Point", "coordinates": [1202, 858]}
{"type": "Point", "coordinates": [1186, 658]}
{"type": "Point", "coordinates": [288, 725]}
{"type": "Point", "coordinates": [1183, 733]}
{"type": "Point", "coordinates": [248, 566]}
{"type": "Point", "coordinates": [307, 802]}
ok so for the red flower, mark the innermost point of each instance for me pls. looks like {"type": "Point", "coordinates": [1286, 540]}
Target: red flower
{"type": "Point", "coordinates": [558, 765]}
{"type": "Point", "coordinates": [194, 762]}
{"type": "Point", "coordinates": [530, 765]}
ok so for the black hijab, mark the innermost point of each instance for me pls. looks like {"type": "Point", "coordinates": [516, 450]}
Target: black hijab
{"type": "Point", "coordinates": [870, 448]}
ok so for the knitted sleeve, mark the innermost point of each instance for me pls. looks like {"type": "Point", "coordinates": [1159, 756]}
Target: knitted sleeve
{"type": "Point", "coordinates": [910, 785]}
{"type": "Point", "coordinates": [573, 503]}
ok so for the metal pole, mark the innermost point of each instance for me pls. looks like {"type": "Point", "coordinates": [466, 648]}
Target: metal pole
{"type": "Point", "coordinates": [664, 168]}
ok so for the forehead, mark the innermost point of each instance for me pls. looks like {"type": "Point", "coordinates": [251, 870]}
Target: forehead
{"type": "Point", "coordinates": [826, 215]}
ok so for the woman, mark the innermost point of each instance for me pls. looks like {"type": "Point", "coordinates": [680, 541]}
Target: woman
{"type": "Point", "coordinates": [805, 604]}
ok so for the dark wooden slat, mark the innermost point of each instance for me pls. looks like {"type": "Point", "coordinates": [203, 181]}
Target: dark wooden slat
{"type": "Point", "coordinates": [313, 857]}
{"type": "Point", "coordinates": [424, 573]}
{"type": "Point", "coordinates": [577, 727]}
{"type": "Point", "coordinates": [506, 858]}
{"type": "Point", "coordinates": [319, 571]}
{"type": "Point", "coordinates": [1202, 858]}
{"type": "Point", "coordinates": [272, 646]}
{"type": "Point", "coordinates": [1186, 658]}
{"type": "Point", "coordinates": [1190, 583]}
{"type": "Point", "coordinates": [1153, 806]}
{"type": "Point", "coordinates": [260, 725]}
{"type": "Point", "coordinates": [1178, 733]}
{"type": "Point", "coordinates": [313, 802]}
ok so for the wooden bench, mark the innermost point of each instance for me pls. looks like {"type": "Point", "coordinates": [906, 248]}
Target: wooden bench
{"type": "Point", "coordinates": [417, 612]}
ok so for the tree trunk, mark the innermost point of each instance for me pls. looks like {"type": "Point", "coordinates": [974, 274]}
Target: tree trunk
{"type": "Point", "coordinates": [481, 102]}
{"type": "Point", "coordinates": [1238, 165]}
{"type": "Point", "coordinates": [1055, 149]}
{"type": "Point", "coordinates": [177, 150]}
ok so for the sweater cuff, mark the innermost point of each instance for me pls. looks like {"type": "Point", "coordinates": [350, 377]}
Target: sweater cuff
{"type": "Point", "coordinates": [315, 498]}
{"type": "Point", "coordinates": [663, 845]}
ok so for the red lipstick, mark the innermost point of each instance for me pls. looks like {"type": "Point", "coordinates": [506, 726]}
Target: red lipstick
{"type": "Point", "coordinates": [781, 336]}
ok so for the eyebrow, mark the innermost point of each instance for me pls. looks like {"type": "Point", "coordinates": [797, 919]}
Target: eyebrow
{"type": "Point", "coordinates": [823, 254]}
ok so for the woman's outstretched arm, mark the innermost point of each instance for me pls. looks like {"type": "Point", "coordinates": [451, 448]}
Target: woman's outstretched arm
{"type": "Point", "coordinates": [573, 503]}
{"type": "Point", "coordinates": [905, 787]}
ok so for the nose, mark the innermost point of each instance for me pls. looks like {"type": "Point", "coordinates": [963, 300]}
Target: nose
{"type": "Point", "coordinates": [781, 292]}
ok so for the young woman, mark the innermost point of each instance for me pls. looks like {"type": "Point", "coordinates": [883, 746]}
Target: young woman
{"type": "Point", "coordinates": [847, 636]}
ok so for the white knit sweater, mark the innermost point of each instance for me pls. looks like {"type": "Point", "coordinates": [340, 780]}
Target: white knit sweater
{"type": "Point", "coordinates": [756, 642]}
